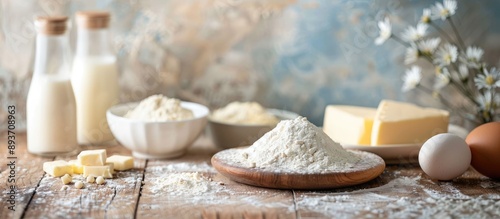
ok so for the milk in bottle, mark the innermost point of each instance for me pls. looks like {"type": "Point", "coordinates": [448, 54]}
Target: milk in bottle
{"type": "Point", "coordinates": [51, 106]}
{"type": "Point", "coordinates": [95, 77]}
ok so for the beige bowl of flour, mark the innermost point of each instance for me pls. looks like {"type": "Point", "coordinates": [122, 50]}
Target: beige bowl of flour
{"type": "Point", "coordinates": [229, 135]}
{"type": "Point", "coordinates": [156, 140]}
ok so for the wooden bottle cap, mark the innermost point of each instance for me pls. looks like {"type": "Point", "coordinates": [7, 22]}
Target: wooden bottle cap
{"type": "Point", "coordinates": [56, 25]}
{"type": "Point", "coordinates": [92, 19]}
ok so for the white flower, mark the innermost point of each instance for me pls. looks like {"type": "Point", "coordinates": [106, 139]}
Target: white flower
{"type": "Point", "coordinates": [385, 31]}
{"type": "Point", "coordinates": [463, 72]}
{"type": "Point", "coordinates": [489, 79]}
{"type": "Point", "coordinates": [446, 55]}
{"type": "Point", "coordinates": [412, 78]}
{"type": "Point", "coordinates": [445, 10]}
{"type": "Point", "coordinates": [426, 16]}
{"type": "Point", "coordinates": [412, 55]}
{"type": "Point", "coordinates": [472, 57]}
{"type": "Point", "coordinates": [474, 53]}
{"type": "Point", "coordinates": [412, 34]}
{"type": "Point", "coordinates": [429, 46]}
{"type": "Point", "coordinates": [486, 102]}
{"type": "Point", "coordinates": [442, 79]}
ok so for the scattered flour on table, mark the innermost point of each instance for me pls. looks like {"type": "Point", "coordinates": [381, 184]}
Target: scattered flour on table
{"type": "Point", "coordinates": [192, 183]}
{"type": "Point", "coordinates": [200, 189]}
{"type": "Point", "coordinates": [184, 183]}
{"type": "Point", "coordinates": [184, 167]}
{"type": "Point", "coordinates": [158, 108]}
{"type": "Point", "coordinates": [249, 113]}
{"type": "Point", "coordinates": [490, 184]}
{"type": "Point", "coordinates": [296, 146]}
{"type": "Point", "coordinates": [380, 202]}
{"type": "Point", "coordinates": [91, 197]}
{"type": "Point", "coordinates": [451, 192]}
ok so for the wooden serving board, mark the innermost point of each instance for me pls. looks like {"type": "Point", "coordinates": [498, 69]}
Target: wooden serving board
{"type": "Point", "coordinates": [369, 167]}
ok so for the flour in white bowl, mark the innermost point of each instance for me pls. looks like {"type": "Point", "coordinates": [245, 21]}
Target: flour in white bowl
{"type": "Point", "coordinates": [247, 113]}
{"type": "Point", "coordinates": [297, 146]}
{"type": "Point", "coordinates": [158, 108]}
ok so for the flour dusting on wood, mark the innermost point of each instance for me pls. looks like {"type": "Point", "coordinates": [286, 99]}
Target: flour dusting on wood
{"type": "Point", "coordinates": [420, 200]}
{"type": "Point", "coordinates": [183, 184]}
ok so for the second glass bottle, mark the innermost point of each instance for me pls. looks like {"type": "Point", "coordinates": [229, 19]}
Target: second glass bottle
{"type": "Point", "coordinates": [95, 78]}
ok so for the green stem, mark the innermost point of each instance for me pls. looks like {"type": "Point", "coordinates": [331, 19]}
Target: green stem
{"type": "Point", "coordinates": [457, 86]}
{"type": "Point", "coordinates": [492, 105]}
{"type": "Point", "coordinates": [399, 40]}
{"type": "Point", "coordinates": [441, 31]}
{"type": "Point", "coordinates": [431, 92]}
{"type": "Point", "coordinates": [460, 41]}
{"type": "Point", "coordinates": [465, 86]}
{"type": "Point", "coordinates": [470, 78]}
{"type": "Point", "coordinates": [429, 59]}
{"type": "Point", "coordinates": [445, 102]}
{"type": "Point", "coordinates": [464, 92]}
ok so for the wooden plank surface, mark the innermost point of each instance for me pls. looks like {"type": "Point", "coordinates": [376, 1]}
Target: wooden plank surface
{"type": "Point", "coordinates": [224, 199]}
{"type": "Point", "coordinates": [117, 198]}
{"type": "Point", "coordinates": [400, 192]}
{"type": "Point", "coordinates": [28, 173]}
{"type": "Point", "coordinates": [405, 192]}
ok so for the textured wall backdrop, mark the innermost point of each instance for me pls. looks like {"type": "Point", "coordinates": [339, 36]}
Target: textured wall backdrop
{"type": "Point", "coordinates": [295, 55]}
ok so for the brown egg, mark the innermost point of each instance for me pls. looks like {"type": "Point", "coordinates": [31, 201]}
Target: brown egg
{"type": "Point", "coordinates": [484, 143]}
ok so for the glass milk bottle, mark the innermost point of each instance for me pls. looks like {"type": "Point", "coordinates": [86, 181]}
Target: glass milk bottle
{"type": "Point", "coordinates": [51, 106]}
{"type": "Point", "coordinates": [95, 78]}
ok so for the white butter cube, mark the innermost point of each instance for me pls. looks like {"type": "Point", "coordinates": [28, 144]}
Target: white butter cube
{"type": "Point", "coordinates": [349, 124]}
{"type": "Point", "coordinates": [57, 168]}
{"type": "Point", "coordinates": [121, 162]}
{"type": "Point", "coordinates": [77, 167]}
{"type": "Point", "coordinates": [406, 123]}
{"type": "Point", "coordinates": [111, 167]}
{"type": "Point", "coordinates": [104, 171]}
{"type": "Point", "coordinates": [92, 157]}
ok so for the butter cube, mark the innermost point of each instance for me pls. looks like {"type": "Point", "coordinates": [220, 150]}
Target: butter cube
{"type": "Point", "coordinates": [111, 167]}
{"type": "Point", "coordinates": [121, 162]}
{"type": "Point", "coordinates": [406, 123]}
{"type": "Point", "coordinates": [77, 167]}
{"type": "Point", "coordinates": [104, 171]}
{"type": "Point", "coordinates": [92, 157]}
{"type": "Point", "coordinates": [57, 168]}
{"type": "Point", "coordinates": [349, 124]}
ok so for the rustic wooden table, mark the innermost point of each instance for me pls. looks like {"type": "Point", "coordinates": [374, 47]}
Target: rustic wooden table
{"type": "Point", "coordinates": [402, 191]}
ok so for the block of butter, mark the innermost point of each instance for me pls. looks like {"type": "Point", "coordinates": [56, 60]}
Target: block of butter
{"type": "Point", "coordinates": [349, 124]}
{"type": "Point", "coordinates": [111, 167]}
{"type": "Point", "coordinates": [92, 157]}
{"type": "Point", "coordinates": [121, 162]}
{"type": "Point", "coordinates": [405, 123]}
{"type": "Point", "coordinates": [77, 167]}
{"type": "Point", "coordinates": [57, 168]}
{"type": "Point", "coordinates": [104, 171]}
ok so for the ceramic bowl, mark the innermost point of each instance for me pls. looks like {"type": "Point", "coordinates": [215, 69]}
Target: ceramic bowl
{"type": "Point", "coordinates": [227, 135]}
{"type": "Point", "coordinates": [156, 140]}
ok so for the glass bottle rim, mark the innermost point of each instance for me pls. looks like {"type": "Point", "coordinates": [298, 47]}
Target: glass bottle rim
{"type": "Point", "coordinates": [93, 19]}
{"type": "Point", "coordinates": [51, 25]}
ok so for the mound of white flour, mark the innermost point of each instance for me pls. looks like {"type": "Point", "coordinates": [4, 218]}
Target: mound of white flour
{"type": "Point", "coordinates": [297, 146]}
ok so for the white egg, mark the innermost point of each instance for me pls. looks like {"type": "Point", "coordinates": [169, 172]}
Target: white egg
{"type": "Point", "coordinates": [444, 156]}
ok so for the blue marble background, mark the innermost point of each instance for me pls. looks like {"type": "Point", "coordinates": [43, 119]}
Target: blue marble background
{"type": "Point", "coordinates": [295, 55]}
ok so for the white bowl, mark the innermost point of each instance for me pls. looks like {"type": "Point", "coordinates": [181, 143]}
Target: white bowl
{"type": "Point", "coordinates": [156, 140]}
{"type": "Point", "coordinates": [229, 135]}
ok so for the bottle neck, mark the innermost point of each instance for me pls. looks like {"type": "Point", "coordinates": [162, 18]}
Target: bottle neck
{"type": "Point", "coordinates": [52, 56]}
{"type": "Point", "coordinates": [93, 42]}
